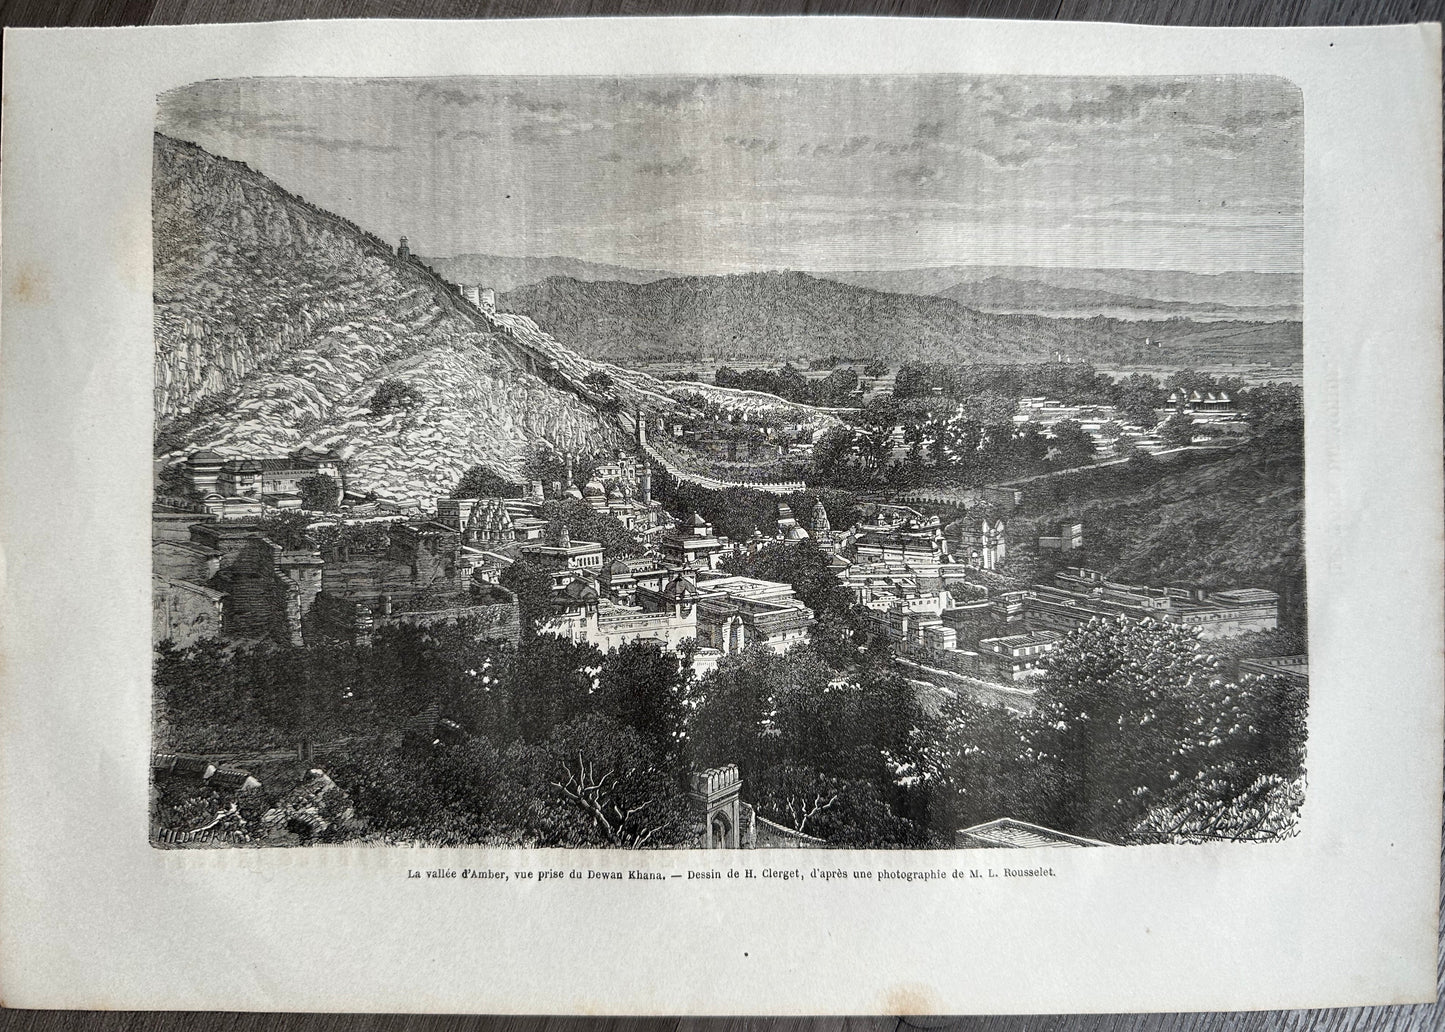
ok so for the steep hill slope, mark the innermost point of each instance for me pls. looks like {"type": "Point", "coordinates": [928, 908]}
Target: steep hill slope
{"type": "Point", "coordinates": [276, 321]}
{"type": "Point", "coordinates": [766, 317]}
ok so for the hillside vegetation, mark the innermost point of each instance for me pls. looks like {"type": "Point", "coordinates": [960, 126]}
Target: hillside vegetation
{"type": "Point", "coordinates": [768, 317]}
{"type": "Point", "coordinates": [1224, 520]}
{"type": "Point", "coordinates": [275, 323]}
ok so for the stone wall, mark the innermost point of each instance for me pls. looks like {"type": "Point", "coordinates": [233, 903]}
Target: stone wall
{"type": "Point", "coordinates": [183, 612]}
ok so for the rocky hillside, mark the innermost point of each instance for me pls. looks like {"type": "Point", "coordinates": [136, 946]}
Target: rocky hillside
{"type": "Point", "coordinates": [275, 322]}
{"type": "Point", "coordinates": [768, 317]}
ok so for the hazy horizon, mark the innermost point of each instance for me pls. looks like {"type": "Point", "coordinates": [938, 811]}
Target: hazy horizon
{"type": "Point", "coordinates": [818, 174]}
{"type": "Point", "coordinates": [825, 272]}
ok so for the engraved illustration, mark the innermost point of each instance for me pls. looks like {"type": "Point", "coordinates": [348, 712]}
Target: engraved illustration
{"type": "Point", "coordinates": [888, 462]}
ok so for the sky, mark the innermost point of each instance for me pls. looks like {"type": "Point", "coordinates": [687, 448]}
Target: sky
{"type": "Point", "coordinates": [816, 173]}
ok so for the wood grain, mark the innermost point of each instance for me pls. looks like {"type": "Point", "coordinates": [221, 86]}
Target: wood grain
{"type": "Point", "coordinates": [1167, 12]}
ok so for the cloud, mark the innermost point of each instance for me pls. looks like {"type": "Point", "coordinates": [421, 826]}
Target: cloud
{"type": "Point", "coordinates": [675, 96]}
{"type": "Point", "coordinates": [753, 144]}
{"type": "Point", "coordinates": [444, 90]}
{"type": "Point", "coordinates": [534, 105]}
{"type": "Point", "coordinates": [348, 146]}
{"type": "Point", "coordinates": [930, 130]}
{"type": "Point", "coordinates": [182, 118]}
{"type": "Point", "coordinates": [684, 166]}
{"type": "Point", "coordinates": [1014, 159]}
{"type": "Point", "coordinates": [1119, 103]}
{"type": "Point", "coordinates": [845, 148]}
{"type": "Point", "coordinates": [897, 149]}
{"type": "Point", "coordinates": [919, 175]}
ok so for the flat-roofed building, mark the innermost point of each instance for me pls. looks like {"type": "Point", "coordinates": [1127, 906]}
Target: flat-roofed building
{"type": "Point", "coordinates": [1008, 833]}
{"type": "Point", "coordinates": [1018, 657]}
{"type": "Point", "coordinates": [1294, 668]}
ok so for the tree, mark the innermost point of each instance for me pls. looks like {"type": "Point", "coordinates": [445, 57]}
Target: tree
{"type": "Point", "coordinates": [642, 685]}
{"type": "Point", "coordinates": [804, 566]}
{"type": "Point", "coordinates": [288, 528]}
{"type": "Point", "coordinates": [830, 451]}
{"type": "Point", "coordinates": [319, 492]}
{"type": "Point", "coordinates": [731, 711]}
{"type": "Point", "coordinates": [533, 587]}
{"type": "Point", "coordinates": [585, 523]}
{"type": "Point", "coordinates": [1178, 430]}
{"type": "Point", "coordinates": [1266, 811]}
{"type": "Point", "coordinates": [1132, 711]}
{"type": "Point", "coordinates": [393, 395]}
{"type": "Point", "coordinates": [1075, 446]}
{"type": "Point", "coordinates": [609, 776]}
{"type": "Point", "coordinates": [793, 795]}
{"type": "Point", "coordinates": [875, 368]}
{"type": "Point", "coordinates": [482, 481]}
{"type": "Point", "coordinates": [598, 380]}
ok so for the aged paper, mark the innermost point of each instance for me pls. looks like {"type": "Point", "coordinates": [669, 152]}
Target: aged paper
{"type": "Point", "coordinates": [706, 516]}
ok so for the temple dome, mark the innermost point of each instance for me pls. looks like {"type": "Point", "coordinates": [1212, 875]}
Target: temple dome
{"type": "Point", "coordinates": [679, 589]}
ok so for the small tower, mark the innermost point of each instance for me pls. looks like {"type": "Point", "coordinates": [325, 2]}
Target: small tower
{"type": "Point", "coordinates": [488, 301]}
{"type": "Point", "coordinates": [716, 793]}
{"type": "Point", "coordinates": [821, 526]}
{"type": "Point", "coordinates": [403, 251]}
{"type": "Point", "coordinates": [644, 483]}
{"type": "Point", "coordinates": [641, 429]}
{"type": "Point", "coordinates": [204, 470]}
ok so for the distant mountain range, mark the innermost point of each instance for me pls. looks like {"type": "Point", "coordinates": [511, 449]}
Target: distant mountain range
{"type": "Point", "coordinates": [1004, 296]}
{"type": "Point", "coordinates": [1066, 287]}
{"type": "Point", "coordinates": [1124, 294]}
{"type": "Point", "coordinates": [503, 273]}
{"type": "Point", "coordinates": [764, 317]}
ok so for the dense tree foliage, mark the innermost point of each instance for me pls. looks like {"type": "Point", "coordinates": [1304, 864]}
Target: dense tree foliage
{"type": "Point", "coordinates": [394, 395]}
{"type": "Point", "coordinates": [841, 635]}
{"type": "Point", "coordinates": [834, 390]}
{"type": "Point", "coordinates": [319, 492]}
{"type": "Point", "coordinates": [1138, 735]}
{"type": "Point", "coordinates": [585, 523]}
{"type": "Point", "coordinates": [482, 481]}
{"type": "Point", "coordinates": [825, 753]}
{"type": "Point", "coordinates": [533, 587]}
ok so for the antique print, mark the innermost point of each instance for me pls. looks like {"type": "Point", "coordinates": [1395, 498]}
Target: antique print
{"type": "Point", "coordinates": [889, 462]}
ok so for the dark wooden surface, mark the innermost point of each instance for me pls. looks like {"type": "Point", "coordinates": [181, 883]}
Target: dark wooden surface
{"type": "Point", "coordinates": [1164, 12]}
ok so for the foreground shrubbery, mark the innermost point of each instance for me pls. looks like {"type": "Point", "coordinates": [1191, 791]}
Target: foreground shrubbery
{"type": "Point", "coordinates": [1138, 737]}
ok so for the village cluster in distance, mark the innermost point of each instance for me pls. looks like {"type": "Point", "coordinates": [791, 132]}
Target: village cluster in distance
{"type": "Point", "coordinates": [437, 562]}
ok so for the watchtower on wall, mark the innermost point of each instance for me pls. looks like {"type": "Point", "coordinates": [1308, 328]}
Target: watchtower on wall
{"type": "Point", "coordinates": [403, 251]}
{"type": "Point", "coordinates": [716, 793]}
